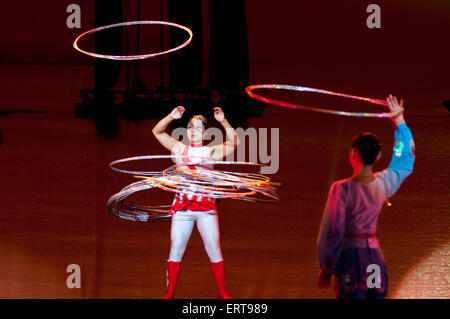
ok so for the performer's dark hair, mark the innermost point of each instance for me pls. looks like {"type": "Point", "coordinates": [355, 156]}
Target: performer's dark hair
{"type": "Point", "coordinates": [201, 118]}
{"type": "Point", "coordinates": [368, 146]}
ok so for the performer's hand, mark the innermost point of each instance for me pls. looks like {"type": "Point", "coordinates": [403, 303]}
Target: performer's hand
{"type": "Point", "coordinates": [324, 279]}
{"type": "Point", "coordinates": [218, 114]}
{"type": "Point", "coordinates": [394, 106]}
{"type": "Point", "coordinates": [177, 112]}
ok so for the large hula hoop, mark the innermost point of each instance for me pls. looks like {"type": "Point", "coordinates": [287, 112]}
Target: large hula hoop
{"type": "Point", "coordinates": [159, 173]}
{"type": "Point", "coordinates": [133, 57]}
{"type": "Point", "coordinates": [249, 90]}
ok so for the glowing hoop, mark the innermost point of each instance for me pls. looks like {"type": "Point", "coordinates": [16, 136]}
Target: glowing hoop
{"type": "Point", "coordinates": [249, 90]}
{"type": "Point", "coordinates": [133, 57]}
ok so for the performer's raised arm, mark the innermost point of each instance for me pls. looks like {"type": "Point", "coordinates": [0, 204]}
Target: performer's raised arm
{"type": "Point", "coordinates": [160, 130]}
{"type": "Point", "coordinates": [403, 157]}
{"type": "Point", "coordinates": [220, 151]}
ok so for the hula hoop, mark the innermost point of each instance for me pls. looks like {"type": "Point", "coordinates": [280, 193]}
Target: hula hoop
{"type": "Point", "coordinates": [138, 158]}
{"type": "Point", "coordinates": [133, 57]}
{"type": "Point", "coordinates": [119, 207]}
{"type": "Point", "coordinates": [249, 90]}
{"type": "Point", "coordinates": [158, 173]}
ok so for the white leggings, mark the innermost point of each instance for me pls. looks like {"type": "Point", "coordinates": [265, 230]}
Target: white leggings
{"type": "Point", "coordinates": [181, 230]}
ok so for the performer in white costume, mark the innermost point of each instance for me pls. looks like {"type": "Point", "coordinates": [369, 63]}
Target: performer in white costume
{"type": "Point", "coordinates": [189, 207]}
{"type": "Point", "coordinates": [347, 244]}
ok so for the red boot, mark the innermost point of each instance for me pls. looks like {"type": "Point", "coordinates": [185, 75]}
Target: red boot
{"type": "Point", "coordinates": [173, 271]}
{"type": "Point", "coordinates": [218, 271]}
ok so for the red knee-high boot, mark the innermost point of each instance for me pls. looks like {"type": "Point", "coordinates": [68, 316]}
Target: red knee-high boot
{"type": "Point", "coordinates": [173, 271]}
{"type": "Point", "coordinates": [218, 271]}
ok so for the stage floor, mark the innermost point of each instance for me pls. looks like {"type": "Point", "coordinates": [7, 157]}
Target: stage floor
{"type": "Point", "coordinates": [56, 181]}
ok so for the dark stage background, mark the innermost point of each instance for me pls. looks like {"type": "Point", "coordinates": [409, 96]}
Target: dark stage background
{"type": "Point", "coordinates": [55, 179]}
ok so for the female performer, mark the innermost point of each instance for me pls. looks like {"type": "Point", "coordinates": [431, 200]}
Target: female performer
{"type": "Point", "coordinates": [190, 207]}
{"type": "Point", "coordinates": [347, 246]}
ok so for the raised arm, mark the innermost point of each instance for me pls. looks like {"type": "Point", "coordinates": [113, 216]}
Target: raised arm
{"type": "Point", "coordinates": [220, 151]}
{"type": "Point", "coordinates": [160, 129]}
{"type": "Point", "coordinates": [403, 156]}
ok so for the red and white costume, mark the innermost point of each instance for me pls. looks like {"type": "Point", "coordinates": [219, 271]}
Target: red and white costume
{"type": "Point", "coordinates": [190, 207]}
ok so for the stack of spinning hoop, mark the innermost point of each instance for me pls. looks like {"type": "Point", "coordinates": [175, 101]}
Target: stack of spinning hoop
{"type": "Point", "coordinates": [202, 181]}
